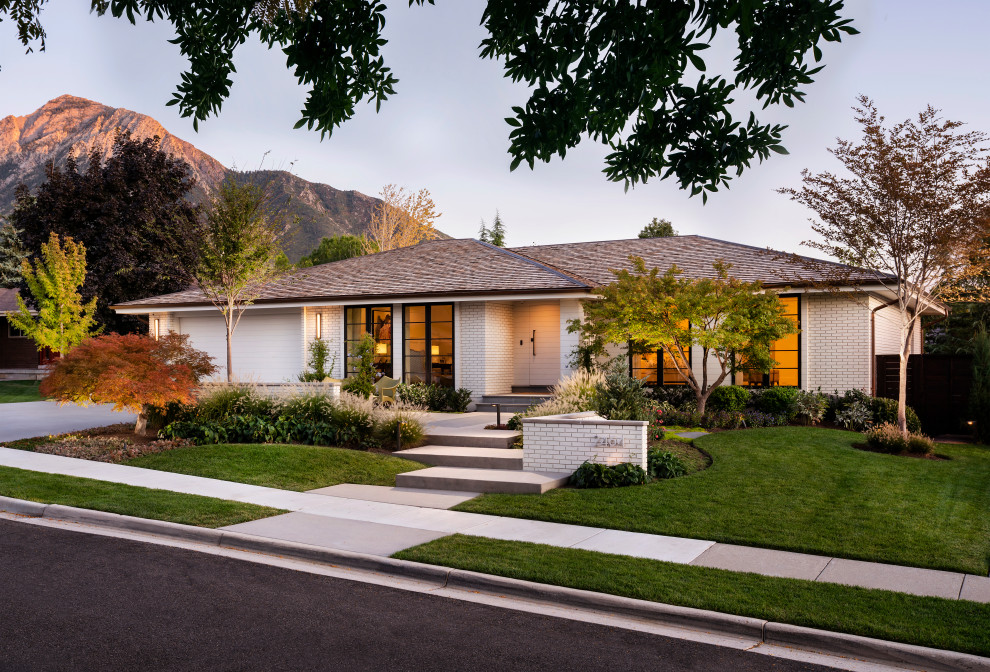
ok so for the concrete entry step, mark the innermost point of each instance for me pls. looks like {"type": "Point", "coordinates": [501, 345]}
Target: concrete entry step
{"type": "Point", "coordinates": [483, 438]}
{"type": "Point", "coordinates": [465, 456]}
{"type": "Point", "coordinates": [481, 480]}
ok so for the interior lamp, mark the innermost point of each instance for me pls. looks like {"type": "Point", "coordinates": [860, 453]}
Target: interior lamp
{"type": "Point", "coordinates": [381, 349]}
{"type": "Point", "coordinates": [434, 350]}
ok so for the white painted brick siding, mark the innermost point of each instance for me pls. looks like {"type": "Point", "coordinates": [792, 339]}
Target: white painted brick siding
{"type": "Point", "coordinates": [562, 443]}
{"type": "Point", "coordinates": [333, 333]}
{"type": "Point", "coordinates": [483, 347]}
{"type": "Point", "coordinates": [837, 332]}
{"type": "Point", "coordinates": [166, 322]}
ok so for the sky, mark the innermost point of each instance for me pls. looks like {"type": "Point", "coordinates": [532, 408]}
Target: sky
{"type": "Point", "coordinates": [443, 130]}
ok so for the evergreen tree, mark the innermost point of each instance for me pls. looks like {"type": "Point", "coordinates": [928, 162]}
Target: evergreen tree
{"type": "Point", "coordinates": [497, 231]}
{"type": "Point", "coordinates": [11, 255]}
{"type": "Point", "coordinates": [484, 234]}
{"type": "Point", "coordinates": [62, 320]}
{"type": "Point", "coordinates": [979, 393]}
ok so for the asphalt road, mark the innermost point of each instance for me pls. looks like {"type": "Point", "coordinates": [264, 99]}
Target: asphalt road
{"type": "Point", "coordinates": [28, 419]}
{"type": "Point", "coordinates": [74, 601]}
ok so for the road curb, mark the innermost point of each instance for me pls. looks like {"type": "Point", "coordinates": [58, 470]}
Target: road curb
{"type": "Point", "coordinates": [876, 650]}
{"type": "Point", "coordinates": [779, 634]}
{"type": "Point", "coordinates": [668, 614]}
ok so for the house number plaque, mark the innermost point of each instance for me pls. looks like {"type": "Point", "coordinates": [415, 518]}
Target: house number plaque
{"type": "Point", "coordinates": [608, 441]}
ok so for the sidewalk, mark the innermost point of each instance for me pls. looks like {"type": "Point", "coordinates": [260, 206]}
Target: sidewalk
{"type": "Point", "coordinates": [344, 518]}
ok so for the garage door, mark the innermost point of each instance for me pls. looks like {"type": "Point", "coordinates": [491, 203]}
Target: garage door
{"type": "Point", "coordinates": [267, 345]}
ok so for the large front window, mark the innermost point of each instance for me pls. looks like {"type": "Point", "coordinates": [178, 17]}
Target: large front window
{"type": "Point", "coordinates": [374, 320]}
{"type": "Point", "coordinates": [786, 352]}
{"type": "Point", "coordinates": [645, 366]}
{"type": "Point", "coordinates": [428, 354]}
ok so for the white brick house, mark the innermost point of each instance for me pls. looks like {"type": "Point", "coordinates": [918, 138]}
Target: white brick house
{"type": "Point", "coordinates": [468, 314]}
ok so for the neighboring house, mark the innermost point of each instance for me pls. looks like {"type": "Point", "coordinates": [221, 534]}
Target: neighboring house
{"type": "Point", "coordinates": [18, 354]}
{"type": "Point", "coordinates": [469, 314]}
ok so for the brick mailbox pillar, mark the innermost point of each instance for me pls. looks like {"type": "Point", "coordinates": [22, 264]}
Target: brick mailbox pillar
{"type": "Point", "coordinates": [559, 443]}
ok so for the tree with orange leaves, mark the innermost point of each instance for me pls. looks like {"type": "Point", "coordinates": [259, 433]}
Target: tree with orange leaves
{"type": "Point", "coordinates": [130, 371]}
{"type": "Point", "coordinates": [403, 218]}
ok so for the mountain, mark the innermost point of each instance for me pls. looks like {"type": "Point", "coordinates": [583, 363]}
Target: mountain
{"type": "Point", "coordinates": [71, 126]}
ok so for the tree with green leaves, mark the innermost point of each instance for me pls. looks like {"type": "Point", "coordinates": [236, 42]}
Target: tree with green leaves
{"type": "Point", "coordinates": [11, 256]}
{"type": "Point", "coordinates": [133, 215]}
{"type": "Point", "coordinates": [731, 321]}
{"type": "Point", "coordinates": [979, 393]}
{"type": "Point", "coordinates": [239, 251]}
{"type": "Point", "coordinates": [628, 75]}
{"type": "Point", "coordinates": [913, 207]}
{"type": "Point", "coordinates": [334, 248]}
{"type": "Point", "coordinates": [658, 228]}
{"type": "Point", "coordinates": [494, 235]}
{"type": "Point", "coordinates": [61, 319]}
{"type": "Point", "coordinates": [497, 231]}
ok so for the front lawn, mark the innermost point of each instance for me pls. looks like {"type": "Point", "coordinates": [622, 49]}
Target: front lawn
{"type": "Point", "coordinates": [288, 467]}
{"type": "Point", "coordinates": [800, 489]}
{"type": "Point", "coordinates": [16, 391]}
{"type": "Point", "coordinates": [87, 493]}
{"type": "Point", "coordinates": [957, 625]}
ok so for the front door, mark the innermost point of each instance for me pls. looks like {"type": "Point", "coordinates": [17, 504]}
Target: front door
{"type": "Point", "coordinates": [537, 343]}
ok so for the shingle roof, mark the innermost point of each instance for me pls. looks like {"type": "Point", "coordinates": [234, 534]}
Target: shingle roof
{"type": "Point", "coordinates": [434, 268]}
{"type": "Point", "coordinates": [8, 300]}
{"type": "Point", "coordinates": [464, 266]}
{"type": "Point", "coordinates": [693, 255]}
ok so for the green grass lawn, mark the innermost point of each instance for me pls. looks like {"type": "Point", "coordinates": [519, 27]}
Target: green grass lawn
{"type": "Point", "coordinates": [87, 493]}
{"type": "Point", "coordinates": [926, 621]}
{"type": "Point", "coordinates": [801, 489]}
{"type": "Point", "coordinates": [289, 467]}
{"type": "Point", "coordinates": [14, 391]}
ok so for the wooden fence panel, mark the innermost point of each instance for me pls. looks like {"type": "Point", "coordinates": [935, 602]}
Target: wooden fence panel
{"type": "Point", "coordinates": [937, 388]}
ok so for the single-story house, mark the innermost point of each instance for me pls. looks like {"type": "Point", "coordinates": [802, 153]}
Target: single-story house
{"type": "Point", "coordinates": [493, 320]}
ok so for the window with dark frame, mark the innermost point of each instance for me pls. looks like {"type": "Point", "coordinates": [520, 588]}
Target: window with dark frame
{"type": "Point", "coordinates": [14, 332]}
{"type": "Point", "coordinates": [428, 344]}
{"type": "Point", "coordinates": [645, 365]}
{"type": "Point", "coordinates": [360, 321]}
{"type": "Point", "coordinates": [786, 352]}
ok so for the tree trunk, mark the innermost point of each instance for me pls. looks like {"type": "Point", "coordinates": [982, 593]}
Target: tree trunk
{"type": "Point", "coordinates": [702, 402]}
{"type": "Point", "coordinates": [902, 380]}
{"type": "Point", "coordinates": [141, 426]}
{"type": "Point", "coordinates": [230, 358]}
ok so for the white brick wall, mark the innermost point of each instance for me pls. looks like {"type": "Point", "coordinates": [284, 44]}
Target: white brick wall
{"type": "Point", "coordinates": [562, 443]}
{"type": "Point", "coordinates": [483, 347]}
{"type": "Point", "coordinates": [837, 332]}
{"type": "Point", "coordinates": [888, 330]}
{"type": "Point", "coordinates": [332, 318]}
{"type": "Point", "coordinates": [166, 322]}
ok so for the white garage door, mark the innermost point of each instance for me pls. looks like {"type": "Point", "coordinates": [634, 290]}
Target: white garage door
{"type": "Point", "coordinates": [267, 344]}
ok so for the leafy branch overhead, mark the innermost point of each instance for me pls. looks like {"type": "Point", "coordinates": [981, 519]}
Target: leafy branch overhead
{"type": "Point", "coordinates": [630, 75]}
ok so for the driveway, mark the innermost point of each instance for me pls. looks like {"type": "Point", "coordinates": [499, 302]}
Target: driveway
{"type": "Point", "coordinates": [40, 418]}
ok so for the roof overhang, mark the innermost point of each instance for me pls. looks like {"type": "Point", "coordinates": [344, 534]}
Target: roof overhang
{"type": "Point", "coordinates": [448, 297]}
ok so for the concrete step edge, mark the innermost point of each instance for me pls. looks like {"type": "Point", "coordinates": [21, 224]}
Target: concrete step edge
{"type": "Point", "coordinates": [822, 641]}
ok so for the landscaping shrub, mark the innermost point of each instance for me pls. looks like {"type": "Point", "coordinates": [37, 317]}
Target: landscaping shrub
{"type": "Point", "coordinates": [412, 431]}
{"type": "Point", "coordinates": [434, 397]}
{"type": "Point", "coordinates": [594, 475]}
{"type": "Point", "coordinates": [885, 410]}
{"type": "Point", "coordinates": [920, 444]}
{"type": "Point", "coordinates": [662, 464]}
{"type": "Point", "coordinates": [728, 398]}
{"type": "Point", "coordinates": [361, 381]}
{"type": "Point", "coordinates": [811, 406]}
{"type": "Point", "coordinates": [656, 431]}
{"type": "Point", "coordinates": [755, 419]}
{"type": "Point", "coordinates": [309, 408]}
{"type": "Point", "coordinates": [777, 401]}
{"type": "Point", "coordinates": [854, 410]}
{"type": "Point", "coordinates": [886, 437]}
{"type": "Point", "coordinates": [319, 353]}
{"type": "Point", "coordinates": [622, 397]}
{"type": "Point", "coordinates": [223, 401]}
{"type": "Point", "coordinates": [680, 397]}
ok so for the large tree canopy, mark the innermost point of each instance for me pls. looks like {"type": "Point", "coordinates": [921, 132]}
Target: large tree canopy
{"type": "Point", "coordinates": [131, 215]}
{"type": "Point", "coordinates": [627, 74]}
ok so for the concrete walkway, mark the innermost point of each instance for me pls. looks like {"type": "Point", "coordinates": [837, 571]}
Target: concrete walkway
{"type": "Point", "coordinates": [42, 418]}
{"type": "Point", "coordinates": [334, 518]}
